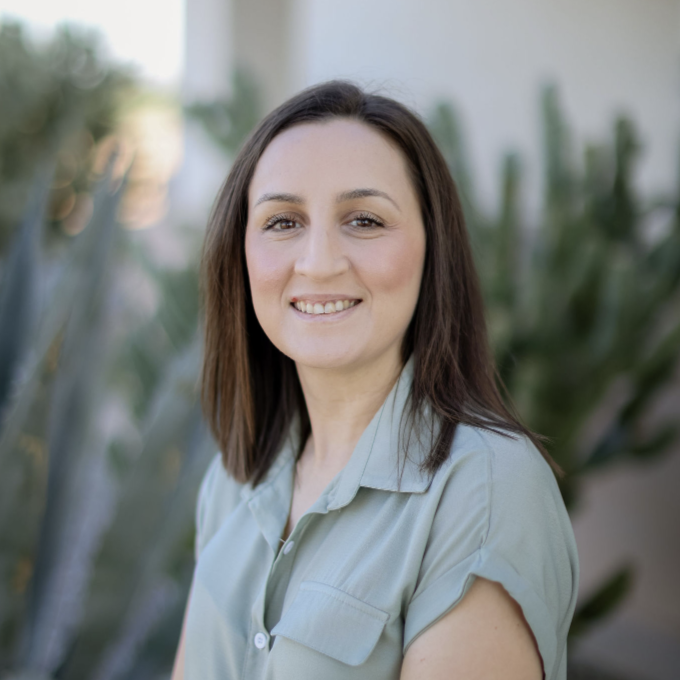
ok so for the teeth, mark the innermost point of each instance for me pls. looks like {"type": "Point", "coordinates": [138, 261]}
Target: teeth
{"type": "Point", "coordinates": [327, 308]}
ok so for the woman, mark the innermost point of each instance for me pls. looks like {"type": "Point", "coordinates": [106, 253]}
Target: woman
{"type": "Point", "coordinates": [375, 511]}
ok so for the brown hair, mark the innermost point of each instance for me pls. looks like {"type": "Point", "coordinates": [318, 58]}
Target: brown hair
{"type": "Point", "coordinates": [250, 391]}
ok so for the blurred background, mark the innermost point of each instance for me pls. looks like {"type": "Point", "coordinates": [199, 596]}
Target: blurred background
{"type": "Point", "coordinates": [118, 121]}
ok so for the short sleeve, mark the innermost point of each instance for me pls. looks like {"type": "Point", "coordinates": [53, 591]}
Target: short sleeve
{"type": "Point", "coordinates": [218, 495]}
{"type": "Point", "coordinates": [501, 517]}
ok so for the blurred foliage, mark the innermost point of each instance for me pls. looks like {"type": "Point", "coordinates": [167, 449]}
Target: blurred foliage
{"type": "Point", "coordinates": [583, 307]}
{"type": "Point", "coordinates": [602, 601]}
{"type": "Point", "coordinates": [57, 100]}
{"type": "Point", "coordinates": [229, 121]}
{"type": "Point", "coordinates": [94, 574]}
{"type": "Point", "coordinates": [102, 440]}
{"type": "Point", "coordinates": [582, 671]}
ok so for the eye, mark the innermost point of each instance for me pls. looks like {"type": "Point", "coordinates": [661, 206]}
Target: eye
{"type": "Point", "coordinates": [280, 223]}
{"type": "Point", "coordinates": [367, 221]}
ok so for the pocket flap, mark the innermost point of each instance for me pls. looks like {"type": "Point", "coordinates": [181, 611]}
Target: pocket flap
{"type": "Point", "coordinates": [332, 622]}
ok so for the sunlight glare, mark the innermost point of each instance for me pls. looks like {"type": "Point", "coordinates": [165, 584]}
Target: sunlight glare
{"type": "Point", "coordinates": [146, 33]}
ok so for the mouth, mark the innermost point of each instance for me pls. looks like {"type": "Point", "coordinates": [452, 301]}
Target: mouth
{"type": "Point", "coordinates": [329, 307]}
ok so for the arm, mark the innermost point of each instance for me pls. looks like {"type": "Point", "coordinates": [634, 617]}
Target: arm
{"type": "Point", "coordinates": [484, 637]}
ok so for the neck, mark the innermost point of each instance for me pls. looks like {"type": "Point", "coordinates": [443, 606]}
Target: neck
{"type": "Point", "coordinates": [341, 404]}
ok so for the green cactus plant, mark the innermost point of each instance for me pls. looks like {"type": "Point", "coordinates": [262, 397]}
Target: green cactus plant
{"type": "Point", "coordinates": [107, 543]}
{"type": "Point", "coordinates": [229, 121]}
{"type": "Point", "coordinates": [96, 520]}
{"type": "Point", "coordinates": [65, 436]}
{"type": "Point", "coordinates": [579, 305]}
{"type": "Point", "coordinates": [75, 511]}
{"type": "Point", "coordinates": [19, 303]}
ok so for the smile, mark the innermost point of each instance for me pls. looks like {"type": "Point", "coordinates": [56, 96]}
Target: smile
{"type": "Point", "coordinates": [323, 307]}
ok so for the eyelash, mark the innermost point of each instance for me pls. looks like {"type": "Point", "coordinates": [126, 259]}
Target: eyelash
{"type": "Point", "coordinates": [370, 218]}
{"type": "Point", "coordinates": [275, 219]}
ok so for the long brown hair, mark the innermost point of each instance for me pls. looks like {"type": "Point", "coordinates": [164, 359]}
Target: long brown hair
{"type": "Point", "coordinates": [250, 391]}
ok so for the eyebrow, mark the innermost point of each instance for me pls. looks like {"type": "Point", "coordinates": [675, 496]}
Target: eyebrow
{"type": "Point", "coordinates": [340, 198]}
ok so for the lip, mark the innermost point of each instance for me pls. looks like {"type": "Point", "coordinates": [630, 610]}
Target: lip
{"type": "Point", "coordinates": [325, 297]}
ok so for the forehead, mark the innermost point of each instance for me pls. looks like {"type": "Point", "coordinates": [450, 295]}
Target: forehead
{"type": "Point", "coordinates": [334, 155]}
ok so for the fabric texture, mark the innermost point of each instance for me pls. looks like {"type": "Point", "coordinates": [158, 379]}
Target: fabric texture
{"type": "Point", "coordinates": [373, 564]}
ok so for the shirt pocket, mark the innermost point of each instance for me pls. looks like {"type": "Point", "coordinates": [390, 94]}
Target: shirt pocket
{"type": "Point", "coordinates": [332, 622]}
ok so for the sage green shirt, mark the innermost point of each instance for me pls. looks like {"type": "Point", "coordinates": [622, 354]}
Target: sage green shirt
{"type": "Point", "coordinates": [369, 567]}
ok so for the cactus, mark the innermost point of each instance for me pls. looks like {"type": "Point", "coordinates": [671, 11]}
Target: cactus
{"type": "Point", "coordinates": [229, 121]}
{"type": "Point", "coordinates": [75, 506]}
{"type": "Point", "coordinates": [96, 517]}
{"type": "Point", "coordinates": [19, 297]}
{"type": "Point", "coordinates": [97, 538]}
{"type": "Point", "coordinates": [580, 306]}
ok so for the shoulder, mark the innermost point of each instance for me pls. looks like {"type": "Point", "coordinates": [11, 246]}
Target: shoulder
{"type": "Point", "coordinates": [504, 487]}
{"type": "Point", "coordinates": [218, 495]}
{"type": "Point", "coordinates": [504, 453]}
{"type": "Point", "coordinates": [496, 469]}
{"type": "Point", "coordinates": [497, 513]}
{"type": "Point", "coordinates": [496, 489]}
{"type": "Point", "coordinates": [500, 493]}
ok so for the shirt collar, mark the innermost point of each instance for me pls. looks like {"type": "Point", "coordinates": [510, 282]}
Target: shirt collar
{"type": "Point", "coordinates": [378, 452]}
{"type": "Point", "coordinates": [382, 447]}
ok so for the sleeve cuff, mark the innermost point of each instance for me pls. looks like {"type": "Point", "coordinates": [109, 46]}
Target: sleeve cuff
{"type": "Point", "coordinates": [443, 594]}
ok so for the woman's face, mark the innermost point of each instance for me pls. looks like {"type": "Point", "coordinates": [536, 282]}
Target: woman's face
{"type": "Point", "coordinates": [335, 244]}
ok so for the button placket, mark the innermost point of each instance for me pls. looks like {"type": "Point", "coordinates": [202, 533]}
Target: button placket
{"type": "Point", "coordinates": [282, 565]}
{"type": "Point", "coordinates": [280, 573]}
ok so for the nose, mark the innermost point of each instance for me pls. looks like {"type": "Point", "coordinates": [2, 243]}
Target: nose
{"type": "Point", "coordinates": [321, 256]}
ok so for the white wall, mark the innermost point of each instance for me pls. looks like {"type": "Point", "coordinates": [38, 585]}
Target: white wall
{"type": "Point", "coordinates": [262, 43]}
{"type": "Point", "coordinates": [490, 57]}
{"type": "Point", "coordinates": [208, 65]}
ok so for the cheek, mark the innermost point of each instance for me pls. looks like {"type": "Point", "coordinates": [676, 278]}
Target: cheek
{"type": "Point", "coordinates": [397, 270]}
{"type": "Point", "coordinates": [267, 269]}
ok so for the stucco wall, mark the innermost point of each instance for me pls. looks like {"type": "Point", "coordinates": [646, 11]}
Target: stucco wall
{"type": "Point", "coordinates": [490, 57]}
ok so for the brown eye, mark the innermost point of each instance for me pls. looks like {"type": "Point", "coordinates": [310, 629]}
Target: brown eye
{"type": "Point", "coordinates": [366, 222]}
{"type": "Point", "coordinates": [281, 223]}
{"type": "Point", "coordinates": [285, 224]}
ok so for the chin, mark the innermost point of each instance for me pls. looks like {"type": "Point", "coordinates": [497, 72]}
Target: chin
{"type": "Point", "coordinates": [325, 356]}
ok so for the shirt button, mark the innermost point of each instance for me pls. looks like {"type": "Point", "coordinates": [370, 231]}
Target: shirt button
{"type": "Point", "coordinates": [288, 547]}
{"type": "Point", "coordinates": [260, 640]}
